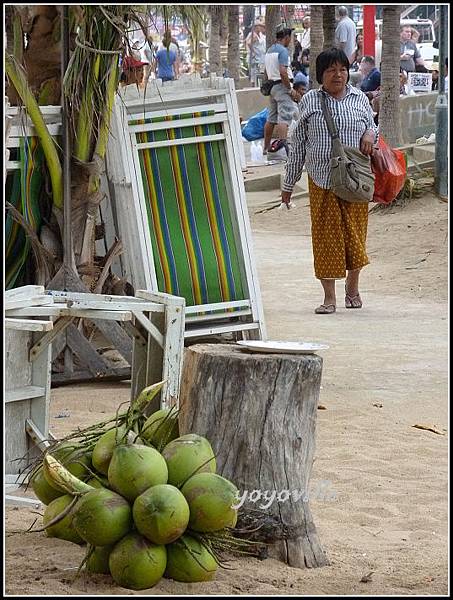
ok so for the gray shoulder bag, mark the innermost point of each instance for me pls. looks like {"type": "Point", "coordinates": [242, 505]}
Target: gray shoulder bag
{"type": "Point", "coordinates": [351, 176]}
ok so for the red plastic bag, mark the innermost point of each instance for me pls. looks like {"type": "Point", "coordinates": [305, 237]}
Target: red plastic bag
{"type": "Point", "coordinates": [389, 168]}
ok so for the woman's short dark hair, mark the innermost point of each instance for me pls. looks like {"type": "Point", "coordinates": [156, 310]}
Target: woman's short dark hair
{"type": "Point", "coordinates": [329, 57]}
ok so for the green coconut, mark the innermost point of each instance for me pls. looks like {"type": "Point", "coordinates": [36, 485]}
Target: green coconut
{"type": "Point", "coordinates": [136, 563]}
{"type": "Point", "coordinates": [210, 498]}
{"type": "Point", "coordinates": [190, 561]}
{"type": "Point", "coordinates": [43, 491]}
{"type": "Point", "coordinates": [104, 447]}
{"type": "Point", "coordinates": [74, 459]}
{"type": "Point", "coordinates": [98, 561]}
{"type": "Point", "coordinates": [187, 455]}
{"type": "Point", "coordinates": [64, 529]}
{"type": "Point", "coordinates": [161, 514]}
{"type": "Point", "coordinates": [134, 468]}
{"type": "Point", "coordinates": [161, 427]}
{"type": "Point", "coordinates": [99, 482]}
{"type": "Point", "coordinates": [102, 517]}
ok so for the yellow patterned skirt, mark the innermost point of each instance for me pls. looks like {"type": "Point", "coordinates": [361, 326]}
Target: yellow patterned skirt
{"type": "Point", "coordinates": [338, 233]}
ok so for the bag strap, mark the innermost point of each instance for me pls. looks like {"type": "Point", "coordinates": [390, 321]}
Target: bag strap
{"type": "Point", "coordinates": [337, 147]}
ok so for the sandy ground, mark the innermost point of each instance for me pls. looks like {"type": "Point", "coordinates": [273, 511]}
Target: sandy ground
{"type": "Point", "coordinates": [386, 370]}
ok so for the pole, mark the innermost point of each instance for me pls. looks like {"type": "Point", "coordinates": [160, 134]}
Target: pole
{"type": "Point", "coordinates": [369, 35]}
{"type": "Point", "coordinates": [441, 148]}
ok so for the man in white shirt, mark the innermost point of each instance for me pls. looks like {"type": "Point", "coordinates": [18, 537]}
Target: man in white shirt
{"type": "Point", "coordinates": [256, 50]}
{"type": "Point", "coordinates": [305, 35]}
{"type": "Point", "coordinates": [282, 97]}
{"type": "Point", "coordinates": [345, 33]}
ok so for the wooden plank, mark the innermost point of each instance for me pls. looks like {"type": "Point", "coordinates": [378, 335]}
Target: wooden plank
{"type": "Point", "coordinates": [150, 327]}
{"type": "Point", "coordinates": [160, 297]}
{"type": "Point", "coordinates": [24, 393]}
{"type": "Point", "coordinates": [218, 316]}
{"type": "Point", "coordinates": [79, 376]}
{"type": "Point", "coordinates": [89, 313]}
{"type": "Point", "coordinates": [59, 326]}
{"type": "Point", "coordinates": [82, 300]}
{"type": "Point", "coordinates": [182, 141]}
{"type": "Point", "coordinates": [27, 291]}
{"type": "Point", "coordinates": [86, 353]}
{"type": "Point", "coordinates": [37, 436]}
{"type": "Point", "coordinates": [116, 334]}
{"type": "Point", "coordinates": [36, 311]}
{"type": "Point", "coordinates": [101, 307]}
{"type": "Point", "coordinates": [217, 107]}
{"type": "Point", "coordinates": [25, 302]}
{"type": "Point", "coordinates": [28, 324]}
{"type": "Point", "coordinates": [217, 306]}
{"type": "Point", "coordinates": [40, 407]}
{"type": "Point", "coordinates": [219, 118]}
{"type": "Point", "coordinates": [191, 333]}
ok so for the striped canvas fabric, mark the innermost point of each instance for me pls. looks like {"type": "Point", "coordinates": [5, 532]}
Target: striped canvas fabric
{"type": "Point", "coordinates": [189, 216]}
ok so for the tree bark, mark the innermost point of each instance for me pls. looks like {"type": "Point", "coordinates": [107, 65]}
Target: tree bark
{"type": "Point", "coordinates": [215, 12]}
{"type": "Point", "coordinates": [316, 40]}
{"type": "Point", "coordinates": [234, 57]}
{"type": "Point", "coordinates": [273, 18]}
{"type": "Point", "coordinates": [329, 25]}
{"type": "Point", "coordinates": [259, 413]}
{"type": "Point", "coordinates": [248, 13]}
{"type": "Point", "coordinates": [389, 125]}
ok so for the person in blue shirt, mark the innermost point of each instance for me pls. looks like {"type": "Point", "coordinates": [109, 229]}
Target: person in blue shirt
{"type": "Point", "coordinates": [371, 75]}
{"type": "Point", "coordinates": [282, 96]}
{"type": "Point", "coordinates": [166, 58]}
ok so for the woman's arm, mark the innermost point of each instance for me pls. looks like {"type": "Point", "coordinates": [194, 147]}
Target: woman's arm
{"type": "Point", "coordinates": [296, 160]}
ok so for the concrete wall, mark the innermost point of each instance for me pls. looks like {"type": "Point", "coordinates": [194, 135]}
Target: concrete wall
{"type": "Point", "coordinates": [251, 101]}
{"type": "Point", "coordinates": [417, 116]}
{"type": "Point", "coordinates": [417, 113]}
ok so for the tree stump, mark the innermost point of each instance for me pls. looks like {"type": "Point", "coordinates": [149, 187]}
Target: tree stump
{"type": "Point", "coordinates": [259, 413]}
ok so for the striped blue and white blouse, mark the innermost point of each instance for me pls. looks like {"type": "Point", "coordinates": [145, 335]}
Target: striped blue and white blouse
{"type": "Point", "coordinates": [311, 143]}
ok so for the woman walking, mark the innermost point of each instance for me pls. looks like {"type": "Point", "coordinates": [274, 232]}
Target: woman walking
{"type": "Point", "coordinates": [338, 227]}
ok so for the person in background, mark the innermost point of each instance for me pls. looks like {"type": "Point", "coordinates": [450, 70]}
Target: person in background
{"type": "Point", "coordinates": [409, 53]}
{"type": "Point", "coordinates": [415, 35]}
{"type": "Point", "coordinates": [338, 228]}
{"type": "Point", "coordinates": [301, 60]}
{"type": "Point", "coordinates": [435, 76]}
{"type": "Point", "coordinates": [282, 96]}
{"type": "Point", "coordinates": [165, 60]}
{"type": "Point", "coordinates": [357, 55]}
{"type": "Point", "coordinates": [371, 75]}
{"type": "Point", "coordinates": [345, 33]}
{"type": "Point", "coordinates": [403, 82]}
{"type": "Point", "coordinates": [305, 35]}
{"type": "Point", "coordinates": [255, 43]}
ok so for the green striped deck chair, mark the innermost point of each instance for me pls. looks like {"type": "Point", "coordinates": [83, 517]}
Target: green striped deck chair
{"type": "Point", "coordinates": [187, 188]}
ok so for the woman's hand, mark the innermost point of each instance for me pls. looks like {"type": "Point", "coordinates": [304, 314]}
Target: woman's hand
{"type": "Point", "coordinates": [286, 198]}
{"type": "Point", "coordinates": [366, 143]}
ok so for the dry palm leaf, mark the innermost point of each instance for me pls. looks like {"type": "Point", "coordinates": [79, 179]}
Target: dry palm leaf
{"type": "Point", "coordinates": [432, 428]}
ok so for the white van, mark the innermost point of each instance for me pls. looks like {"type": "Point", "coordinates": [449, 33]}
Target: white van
{"type": "Point", "coordinates": [424, 27]}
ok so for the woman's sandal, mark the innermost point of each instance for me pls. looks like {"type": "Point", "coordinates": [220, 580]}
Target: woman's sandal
{"type": "Point", "coordinates": [325, 309]}
{"type": "Point", "coordinates": [352, 301]}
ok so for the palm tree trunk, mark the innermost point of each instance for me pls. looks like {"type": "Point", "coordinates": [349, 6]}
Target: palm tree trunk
{"type": "Point", "coordinates": [289, 20]}
{"type": "Point", "coordinates": [389, 125]}
{"type": "Point", "coordinates": [316, 40]}
{"type": "Point", "coordinates": [273, 18]}
{"type": "Point", "coordinates": [248, 14]}
{"type": "Point", "coordinates": [233, 42]}
{"type": "Point", "coordinates": [215, 12]}
{"type": "Point", "coordinates": [329, 25]}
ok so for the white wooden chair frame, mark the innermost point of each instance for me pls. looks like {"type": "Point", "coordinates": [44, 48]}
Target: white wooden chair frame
{"type": "Point", "coordinates": [185, 96]}
{"type": "Point", "coordinates": [157, 355]}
